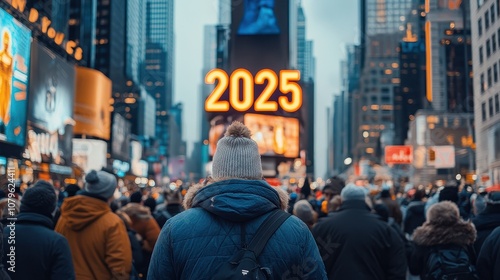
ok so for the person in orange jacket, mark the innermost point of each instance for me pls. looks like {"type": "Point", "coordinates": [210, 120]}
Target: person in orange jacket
{"type": "Point", "coordinates": [98, 239]}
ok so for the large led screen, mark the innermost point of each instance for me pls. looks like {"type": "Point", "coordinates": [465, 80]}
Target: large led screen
{"type": "Point", "coordinates": [50, 123]}
{"type": "Point", "coordinates": [258, 18]}
{"type": "Point", "coordinates": [15, 40]}
{"type": "Point", "coordinates": [275, 135]}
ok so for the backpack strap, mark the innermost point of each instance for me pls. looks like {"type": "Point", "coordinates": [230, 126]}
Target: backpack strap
{"type": "Point", "coordinates": [266, 230]}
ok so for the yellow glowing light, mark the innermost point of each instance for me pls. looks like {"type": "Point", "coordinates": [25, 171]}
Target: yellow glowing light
{"type": "Point", "coordinates": [428, 58]}
{"type": "Point", "coordinates": [288, 83]}
{"type": "Point", "coordinates": [388, 71]}
{"type": "Point", "coordinates": [130, 100]}
{"type": "Point", "coordinates": [213, 104]}
{"type": "Point", "coordinates": [288, 79]}
{"type": "Point", "coordinates": [374, 107]}
{"type": "Point", "coordinates": [427, 6]}
{"type": "Point", "coordinates": [395, 65]}
{"type": "Point", "coordinates": [234, 89]}
{"type": "Point", "coordinates": [370, 150]}
{"type": "Point", "coordinates": [262, 103]}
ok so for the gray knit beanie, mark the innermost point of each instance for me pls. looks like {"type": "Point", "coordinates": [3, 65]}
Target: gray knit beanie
{"type": "Point", "coordinates": [237, 155]}
{"type": "Point", "coordinates": [100, 183]}
{"type": "Point", "coordinates": [353, 192]}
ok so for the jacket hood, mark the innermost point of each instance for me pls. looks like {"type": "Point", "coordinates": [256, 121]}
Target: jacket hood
{"type": "Point", "coordinates": [462, 233]}
{"type": "Point", "coordinates": [137, 211]}
{"type": "Point", "coordinates": [236, 200]}
{"type": "Point", "coordinates": [80, 211]}
{"type": "Point", "coordinates": [34, 218]}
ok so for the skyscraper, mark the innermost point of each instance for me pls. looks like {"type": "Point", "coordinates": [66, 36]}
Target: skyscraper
{"type": "Point", "coordinates": [157, 74]}
{"type": "Point", "coordinates": [382, 28]}
{"type": "Point", "coordinates": [485, 27]}
{"type": "Point", "coordinates": [136, 39]}
{"type": "Point", "coordinates": [82, 28]}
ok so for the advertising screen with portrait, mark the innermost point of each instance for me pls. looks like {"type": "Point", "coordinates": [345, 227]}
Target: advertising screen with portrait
{"type": "Point", "coordinates": [15, 40]}
{"type": "Point", "coordinates": [50, 122]}
{"type": "Point", "coordinates": [275, 135]}
{"type": "Point", "coordinates": [120, 138]}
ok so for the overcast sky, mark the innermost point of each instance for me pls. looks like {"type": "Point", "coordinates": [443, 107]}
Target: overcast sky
{"type": "Point", "coordinates": [331, 24]}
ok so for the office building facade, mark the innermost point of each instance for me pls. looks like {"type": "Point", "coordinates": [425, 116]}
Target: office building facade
{"type": "Point", "coordinates": [485, 27]}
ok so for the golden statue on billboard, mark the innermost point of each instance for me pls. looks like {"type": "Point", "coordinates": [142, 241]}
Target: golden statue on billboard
{"type": "Point", "coordinates": [6, 70]}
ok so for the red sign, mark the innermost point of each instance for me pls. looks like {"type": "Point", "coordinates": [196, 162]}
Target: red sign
{"type": "Point", "coordinates": [399, 154]}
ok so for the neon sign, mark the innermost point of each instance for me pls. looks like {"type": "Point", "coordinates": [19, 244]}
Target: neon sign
{"type": "Point", "coordinates": [286, 82]}
{"type": "Point", "coordinates": [44, 23]}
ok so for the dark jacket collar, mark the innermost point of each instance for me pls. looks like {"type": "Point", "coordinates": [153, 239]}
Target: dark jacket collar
{"type": "Point", "coordinates": [34, 218]}
{"type": "Point", "coordinates": [354, 205]}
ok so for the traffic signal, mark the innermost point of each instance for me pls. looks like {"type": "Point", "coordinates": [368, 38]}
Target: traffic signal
{"type": "Point", "coordinates": [432, 154]}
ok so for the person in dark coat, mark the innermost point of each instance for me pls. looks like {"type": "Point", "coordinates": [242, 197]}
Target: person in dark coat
{"type": "Point", "coordinates": [196, 242]}
{"type": "Point", "coordinates": [40, 253]}
{"type": "Point", "coordinates": [444, 228]}
{"type": "Point", "coordinates": [488, 260]}
{"type": "Point", "coordinates": [487, 220]}
{"type": "Point", "coordinates": [415, 213]}
{"type": "Point", "coordinates": [357, 244]}
{"type": "Point", "coordinates": [392, 205]}
{"type": "Point", "coordinates": [3, 272]}
{"type": "Point", "coordinates": [173, 206]}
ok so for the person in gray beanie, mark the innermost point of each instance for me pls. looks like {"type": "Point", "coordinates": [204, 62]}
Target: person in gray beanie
{"type": "Point", "coordinates": [40, 253]}
{"type": "Point", "coordinates": [357, 244]}
{"type": "Point", "coordinates": [304, 211]}
{"type": "Point", "coordinates": [99, 241]}
{"type": "Point", "coordinates": [222, 216]}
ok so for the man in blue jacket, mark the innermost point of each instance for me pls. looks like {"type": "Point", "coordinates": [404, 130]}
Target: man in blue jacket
{"type": "Point", "coordinates": [196, 242]}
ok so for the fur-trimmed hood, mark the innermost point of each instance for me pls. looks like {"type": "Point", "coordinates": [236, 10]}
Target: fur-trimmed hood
{"type": "Point", "coordinates": [236, 199]}
{"type": "Point", "coordinates": [444, 226]}
{"type": "Point", "coordinates": [136, 211]}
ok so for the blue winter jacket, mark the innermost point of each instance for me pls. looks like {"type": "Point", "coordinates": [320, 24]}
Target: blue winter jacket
{"type": "Point", "coordinates": [193, 244]}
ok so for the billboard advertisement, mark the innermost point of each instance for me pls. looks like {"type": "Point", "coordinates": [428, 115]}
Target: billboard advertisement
{"type": "Point", "coordinates": [442, 157]}
{"type": "Point", "coordinates": [275, 135]}
{"type": "Point", "coordinates": [399, 154]}
{"type": "Point", "coordinates": [15, 44]}
{"type": "Point", "coordinates": [50, 121]}
{"type": "Point", "coordinates": [92, 107]}
{"type": "Point", "coordinates": [258, 18]}
{"type": "Point", "coordinates": [89, 154]}
{"type": "Point", "coordinates": [138, 166]}
{"type": "Point", "coordinates": [120, 142]}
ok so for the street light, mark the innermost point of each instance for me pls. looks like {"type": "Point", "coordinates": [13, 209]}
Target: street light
{"type": "Point", "coordinates": [348, 161]}
{"type": "Point", "coordinates": [458, 177]}
{"type": "Point", "coordinates": [366, 134]}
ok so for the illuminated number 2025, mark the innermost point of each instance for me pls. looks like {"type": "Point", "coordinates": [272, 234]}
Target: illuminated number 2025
{"type": "Point", "coordinates": [287, 83]}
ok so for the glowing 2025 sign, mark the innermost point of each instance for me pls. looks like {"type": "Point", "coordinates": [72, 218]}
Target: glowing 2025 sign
{"type": "Point", "coordinates": [287, 83]}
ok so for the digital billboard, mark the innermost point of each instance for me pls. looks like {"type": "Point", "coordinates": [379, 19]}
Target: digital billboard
{"type": "Point", "coordinates": [92, 107]}
{"type": "Point", "coordinates": [120, 138]}
{"type": "Point", "coordinates": [15, 43]}
{"type": "Point", "coordinates": [50, 121]}
{"type": "Point", "coordinates": [258, 18]}
{"type": "Point", "coordinates": [275, 135]}
{"type": "Point", "coordinates": [89, 154]}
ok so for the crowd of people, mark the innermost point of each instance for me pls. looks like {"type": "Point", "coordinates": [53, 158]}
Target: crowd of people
{"type": "Point", "coordinates": [235, 223]}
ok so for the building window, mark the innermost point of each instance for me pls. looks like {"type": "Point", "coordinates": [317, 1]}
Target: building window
{"type": "Point", "coordinates": [483, 109]}
{"type": "Point", "coordinates": [482, 83]}
{"type": "Point", "coordinates": [490, 80]}
{"type": "Point", "coordinates": [490, 105]}
{"type": "Point", "coordinates": [480, 27]}
{"type": "Point", "coordinates": [492, 13]}
{"type": "Point", "coordinates": [494, 43]}
{"type": "Point", "coordinates": [487, 20]}
{"type": "Point", "coordinates": [481, 55]}
{"type": "Point", "coordinates": [497, 105]}
{"type": "Point", "coordinates": [488, 48]}
{"type": "Point", "coordinates": [495, 72]}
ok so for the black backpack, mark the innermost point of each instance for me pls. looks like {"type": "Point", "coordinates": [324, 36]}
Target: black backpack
{"type": "Point", "coordinates": [451, 262]}
{"type": "Point", "coordinates": [243, 264]}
